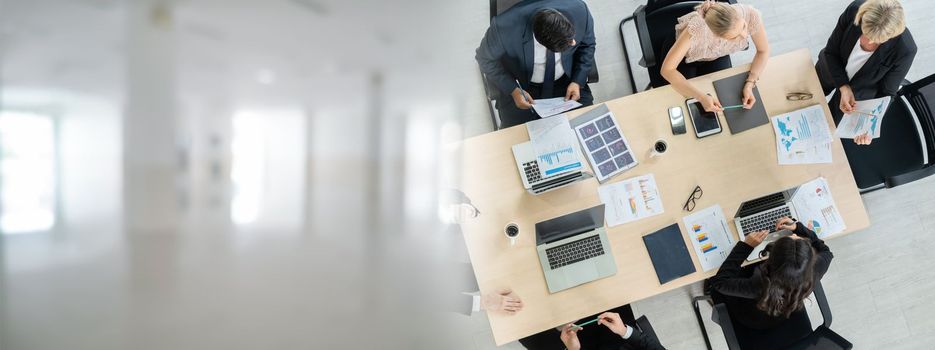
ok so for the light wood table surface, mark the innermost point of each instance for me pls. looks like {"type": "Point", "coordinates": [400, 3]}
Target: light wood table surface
{"type": "Point", "coordinates": [729, 168]}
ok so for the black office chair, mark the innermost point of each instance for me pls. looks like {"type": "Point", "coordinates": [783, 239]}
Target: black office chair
{"type": "Point", "coordinates": [655, 27]}
{"type": "Point", "coordinates": [905, 152]}
{"type": "Point", "coordinates": [794, 333]}
{"type": "Point", "coordinates": [497, 7]}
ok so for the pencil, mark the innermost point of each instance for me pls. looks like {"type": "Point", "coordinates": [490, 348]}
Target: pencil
{"type": "Point", "coordinates": [733, 107]}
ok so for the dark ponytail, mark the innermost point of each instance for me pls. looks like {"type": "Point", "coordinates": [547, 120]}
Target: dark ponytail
{"type": "Point", "coordinates": [788, 276]}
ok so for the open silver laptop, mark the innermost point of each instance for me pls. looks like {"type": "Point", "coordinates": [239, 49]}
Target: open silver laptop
{"type": "Point", "coordinates": [534, 180]}
{"type": "Point", "coordinates": [761, 214]}
{"type": "Point", "coordinates": [573, 249]}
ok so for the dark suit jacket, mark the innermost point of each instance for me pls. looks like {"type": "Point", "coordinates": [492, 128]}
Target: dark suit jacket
{"type": "Point", "coordinates": [506, 52]}
{"type": "Point", "coordinates": [743, 285]}
{"type": "Point", "coordinates": [883, 72]}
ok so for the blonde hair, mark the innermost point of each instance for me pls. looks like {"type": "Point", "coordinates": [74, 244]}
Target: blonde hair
{"type": "Point", "coordinates": [881, 20]}
{"type": "Point", "coordinates": [720, 17]}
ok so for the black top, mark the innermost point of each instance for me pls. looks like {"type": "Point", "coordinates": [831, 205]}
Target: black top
{"type": "Point", "coordinates": [506, 52]}
{"type": "Point", "coordinates": [744, 284]}
{"type": "Point", "coordinates": [883, 72]}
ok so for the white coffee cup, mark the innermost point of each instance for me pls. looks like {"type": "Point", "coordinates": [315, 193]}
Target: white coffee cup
{"type": "Point", "coordinates": [511, 231]}
{"type": "Point", "coordinates": [659, 148]}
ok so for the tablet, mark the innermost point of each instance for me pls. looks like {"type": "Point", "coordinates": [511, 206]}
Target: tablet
{"type": "Point", "coordinates": [705, 123]}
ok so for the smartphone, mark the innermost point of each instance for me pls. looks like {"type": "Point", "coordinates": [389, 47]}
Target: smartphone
{"type": "Point", "coordinates": [677, 119]}
{"type": "Point", "coordinates": [705, 123]}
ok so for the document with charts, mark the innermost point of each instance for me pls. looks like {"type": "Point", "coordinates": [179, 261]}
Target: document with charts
{"type": "Point", "coordinates": [868, 121]}
{"type": "Point", "coordinates": [815, 206]}
{"type": "Point", "coordinates": [606, 147]}
{"type": "Point", "coordinates": [551, 106]}
{"type": "Point", "coordinates": [555, 145]}
{"type": "Point", "coordinates": [803, 136]}
{"type": "Point", "coordinates": [630, 200]}
{"type": "Point", "coordinates": [710, 235]}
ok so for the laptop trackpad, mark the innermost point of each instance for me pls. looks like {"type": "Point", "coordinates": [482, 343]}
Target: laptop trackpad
{"type": "Point", "coordinates": [580, 272]}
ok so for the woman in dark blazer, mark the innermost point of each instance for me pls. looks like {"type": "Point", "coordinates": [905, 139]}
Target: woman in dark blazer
{"type": "Point", "coordinates": [763, 295]}
{"type": "Point", "coordinates": [867, 56]}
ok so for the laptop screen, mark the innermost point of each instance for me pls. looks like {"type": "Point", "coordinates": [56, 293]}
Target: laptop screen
{"type": "Point", "coordinates": [569, 225]}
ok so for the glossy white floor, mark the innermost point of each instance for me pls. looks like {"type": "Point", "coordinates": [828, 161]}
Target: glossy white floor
{"type": "Point", "coordinates": [880, 281]}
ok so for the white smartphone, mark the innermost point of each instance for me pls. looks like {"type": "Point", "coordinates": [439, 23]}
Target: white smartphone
{"type": "Point", "coordinates": [705, 123]}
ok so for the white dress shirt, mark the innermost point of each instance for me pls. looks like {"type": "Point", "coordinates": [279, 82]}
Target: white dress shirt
{"type": "Point", "coordinates": [538, 63]}
{"type": "Point", "coordinates": [856, 60]}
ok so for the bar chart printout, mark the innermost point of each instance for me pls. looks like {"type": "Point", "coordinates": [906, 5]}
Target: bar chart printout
{"type": "Point", "coordinates": [710, 236]}
{"type": "Point", "coordinates": [555, 145]}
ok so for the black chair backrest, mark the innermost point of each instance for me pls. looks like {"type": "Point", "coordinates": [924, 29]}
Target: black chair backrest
{"type": "Point", "coordinates": [921, 95]}
{"type": "Point", "coordinates": [498, 6]}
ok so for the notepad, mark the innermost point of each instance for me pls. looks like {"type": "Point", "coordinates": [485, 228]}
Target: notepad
{"type": "Point", "coordinates": [669, 254]}
{"type": "Point", "coordinates": [730, 92]}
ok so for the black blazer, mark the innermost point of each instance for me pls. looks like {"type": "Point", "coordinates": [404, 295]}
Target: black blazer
{"type": "Point", "coordinates": [506, 52]}
{"type": "Point", "coordinates": [745, 284]}
{"type": "Point", "coordinates": [883, 72]}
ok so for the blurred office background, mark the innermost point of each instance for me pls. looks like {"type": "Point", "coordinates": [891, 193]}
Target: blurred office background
{"type": "Point", "coordinates": [237, 174]}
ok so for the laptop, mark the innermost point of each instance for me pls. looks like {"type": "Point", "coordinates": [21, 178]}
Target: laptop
{"type": "Point", "coordinates": [534, 180]}
{"type": "Point", "coordinates": [761, 214]}
{"type": "Point", "coordinates": [573, 249]}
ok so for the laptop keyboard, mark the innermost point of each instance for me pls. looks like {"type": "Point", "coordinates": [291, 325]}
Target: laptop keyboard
{"type": "Point", "coordinates": [572, 252]}
{"type": "Point", "coordinates": [765, 220]}
{"type": "Point", "coordinates": [533, 174]}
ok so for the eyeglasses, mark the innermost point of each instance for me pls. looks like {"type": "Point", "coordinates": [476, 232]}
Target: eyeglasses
{"type": "Point", "coordinates": [799, 96]}
{"type": "Point", "coordinates": [690, 203]}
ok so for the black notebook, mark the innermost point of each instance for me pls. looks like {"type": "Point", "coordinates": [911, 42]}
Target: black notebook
{"type": "Point", "coordinates": [730, 92]}
{"type": "Point", "coordinates": [669, 254]}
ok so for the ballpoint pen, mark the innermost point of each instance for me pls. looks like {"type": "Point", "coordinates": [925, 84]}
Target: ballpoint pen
{"type": "Point", "coordinates": [523, 92]}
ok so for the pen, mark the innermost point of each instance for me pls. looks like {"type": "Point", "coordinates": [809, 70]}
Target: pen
{"type": "Point", "coordinates": [523, 93]}
{"type": "Point", "coordinates": [586, 323]}
{"type": "Point", "coordinates": [732, 107]}
{"type": "Point", "coordinates": [864, 113]}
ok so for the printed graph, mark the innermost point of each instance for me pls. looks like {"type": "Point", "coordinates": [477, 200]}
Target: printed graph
{"type": "Point", "coordinates": [555, 157]}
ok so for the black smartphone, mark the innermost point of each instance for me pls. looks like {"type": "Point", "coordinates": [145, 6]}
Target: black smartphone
{"type": "Point", "coordinates": [677, 120]}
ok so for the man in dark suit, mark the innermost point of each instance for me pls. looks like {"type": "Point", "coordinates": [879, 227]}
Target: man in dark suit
{"type": "Point", "coordinates": [547, 47]}
{"type": "Point", "coordinates": [612, 331]}
{"type": "Point", "coordinates": [867, 56]}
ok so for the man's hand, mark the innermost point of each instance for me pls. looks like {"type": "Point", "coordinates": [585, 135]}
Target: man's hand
{"type": "Point", "coordinates": [570, 337]}
{"type": "Point", "coordinates": [612, 321]}
{"type": "Point", "coordinates": [520, 101]}
{"type": "Point", "coordinates": [748, 98]}
{"type": "Point", "coordinates": [711, 103]}
{"type": "Point", "coordinates": [573, 92]}
{"type": "Point", "coordinates": [785, 223]}
{"type": "Point", "coordinates": [504, 300]}
{"type": "Point", "coordinates": [848, 102]}
{"type": "Point", "coordinates": [864, 139]}
{"type": "Point", "coordinates": [754, 239]}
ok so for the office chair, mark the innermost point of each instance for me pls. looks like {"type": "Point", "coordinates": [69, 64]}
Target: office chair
{"type": "Point", "coordinates": [794, 333]}
{"type": "Point", "coordinates": [905, 152]}
{"type": "Point", "coordinates": [655, 28]}
{"type": "Point", "coordinates": [497, 7]}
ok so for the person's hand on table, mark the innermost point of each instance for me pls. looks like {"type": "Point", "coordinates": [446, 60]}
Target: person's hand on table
{"type": "Point", "coordinates": [754, 239]}
{"type": "Point", "coordinates": [503, 300]}
{"type": "Point", "coordinates": [785, 223]}
{"type": "Point", "coordinates": [848, 102]}
{"type": "Point", "coordinates": [570, 336]}
{"type": "Point", "coordinates": [573, 92]}
{"type": "Point", "coordinates": [711, 103]}
{"type": "Point", "coordinates": [520, 101]}
{"type": "Point", "coordinates": [748, 98]}
{"type": "Point", "coordinates": [612, 321]}
{"type": "Point", "coordinates": [864, 139]}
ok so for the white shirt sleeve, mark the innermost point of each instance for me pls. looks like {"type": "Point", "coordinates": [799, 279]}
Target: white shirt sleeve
{"type": "Point", "coordinates": [628, 333]}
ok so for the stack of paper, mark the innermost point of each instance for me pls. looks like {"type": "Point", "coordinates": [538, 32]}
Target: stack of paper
{"type": "Point", "coordinates": [710, 236]}
{"type": "Point", "coordinates": [630, 200]}
{"type": "Point", "coordinates": [803, 136]}
{"type": "Point", "coordinates": [555, 145]}
{"type": "Point", "coordinates": [866, 120]}
{"type": "Point", "coordinates": [815, 208]}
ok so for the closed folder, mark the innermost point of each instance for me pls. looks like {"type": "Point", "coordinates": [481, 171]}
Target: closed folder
{"type": "Point", "coordinates": [669, 254]}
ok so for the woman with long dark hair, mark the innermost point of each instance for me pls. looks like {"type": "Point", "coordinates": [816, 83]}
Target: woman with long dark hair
{"type": "Point", "coordinates": [763, 295]}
